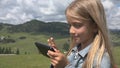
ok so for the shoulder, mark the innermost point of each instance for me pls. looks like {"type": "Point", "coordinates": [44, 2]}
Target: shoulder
{"type": "Point", "coordinates": [105, 62]}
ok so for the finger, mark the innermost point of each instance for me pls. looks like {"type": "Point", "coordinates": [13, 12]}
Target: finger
{"type": "Point", "coordinates": [52, 43]}
{"type": "Point", "coordinates": [52, 54]}
{"type": "Point", "coordinates": [54, 62]}
{"type": "Point", "coordinates": [52, 40]}
{"type": "Point", "coordinates": [56, 50]}
{"type": "Point", "coordinates": [49, 43]}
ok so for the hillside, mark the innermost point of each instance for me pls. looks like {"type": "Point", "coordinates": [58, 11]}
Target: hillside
{"type": "Point", "coordinates": [35, 26]}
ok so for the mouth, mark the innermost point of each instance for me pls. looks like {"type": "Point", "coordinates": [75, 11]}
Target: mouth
{"type": "Point", "coordinates": [75, 38]}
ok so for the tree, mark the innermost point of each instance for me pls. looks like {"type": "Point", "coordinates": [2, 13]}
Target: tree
{"type": "Point", "coordinates": [6, 51]}
{"type": "Point", "coordinates": [9, 50]}
{"type": "Point", "coordinates": [2, 50]}
{"type": "Point", "coordinates": [17, 51]}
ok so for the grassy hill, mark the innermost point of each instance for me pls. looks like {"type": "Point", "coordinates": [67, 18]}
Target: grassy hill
{"type": "Point", "coordinates": [33, 30]}
{"type": "Point", "coordinates": [36, 27]}
{"type": "Point", "coordinates": [27, 44]}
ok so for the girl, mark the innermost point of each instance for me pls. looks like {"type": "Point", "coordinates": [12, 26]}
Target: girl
{"type": "Point", "coordinates": [90, 46]}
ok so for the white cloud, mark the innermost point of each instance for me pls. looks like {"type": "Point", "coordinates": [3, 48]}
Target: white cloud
{"type": "Point", "coordinates": [113, 13]}
{"type": "Point", "coordinates": [19, 11]}
{"type": "Point", "coordinates": [108, 4]}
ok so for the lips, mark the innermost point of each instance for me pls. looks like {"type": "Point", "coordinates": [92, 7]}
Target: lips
{"type": "Point", "coordinates": [75, 38]}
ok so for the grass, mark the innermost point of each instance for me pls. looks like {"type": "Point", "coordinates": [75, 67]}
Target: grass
{"type": "Point", "coordinates": [24, 61]}
{"type": "Point", "coordinates": [116, 54]}
{"type": "Point", "coordinates": [27, 45]}
{"type": "Point", "coordinates": [31, 60]}
{"type": "Point", "coordinates": [38, 60]}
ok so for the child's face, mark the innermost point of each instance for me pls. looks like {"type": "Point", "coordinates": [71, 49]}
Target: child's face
{"type": "Point", "coordinates": [82, 32]}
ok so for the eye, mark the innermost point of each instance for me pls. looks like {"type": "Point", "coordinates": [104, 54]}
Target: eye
{"type": "Point", "coordinates": [77, 25]}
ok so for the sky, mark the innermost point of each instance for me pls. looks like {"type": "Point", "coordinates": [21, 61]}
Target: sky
{"type": "Point", "coordinates": [20, 11]}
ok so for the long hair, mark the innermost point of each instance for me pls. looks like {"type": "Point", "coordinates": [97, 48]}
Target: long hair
{"type": "Point", "coordinates": [92, 10]}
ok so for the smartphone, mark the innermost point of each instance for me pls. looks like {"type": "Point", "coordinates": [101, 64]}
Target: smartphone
{"type": "Point", "coordinates": [43, 48]}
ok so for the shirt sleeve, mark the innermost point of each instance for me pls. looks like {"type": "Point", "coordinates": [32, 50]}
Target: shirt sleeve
{"type": "Point", "coordinates": [69, 66]}
{"type": "Point", "coordinates": [105, 62]}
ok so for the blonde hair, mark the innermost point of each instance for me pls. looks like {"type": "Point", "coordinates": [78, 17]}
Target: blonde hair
{"type": "Point", "coordinates": [92, 10]}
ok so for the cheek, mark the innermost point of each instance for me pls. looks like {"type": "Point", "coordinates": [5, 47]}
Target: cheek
{"type": "Point", "coordinates": [82, 31]}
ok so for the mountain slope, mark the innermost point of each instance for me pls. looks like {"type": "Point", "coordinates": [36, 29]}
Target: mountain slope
{"type": "Point", "coordinates": [36, 26]}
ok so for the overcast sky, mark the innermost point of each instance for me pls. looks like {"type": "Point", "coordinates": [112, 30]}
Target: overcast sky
{"type": "Point", "coordinates": [20, 11]}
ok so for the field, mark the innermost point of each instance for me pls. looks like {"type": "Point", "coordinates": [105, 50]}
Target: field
{"type": "Point", "coordinates": [24, 61]}
{"type": "Point", "coordinates": [32, 59]}
{"type": "Point", "coordinates": [116, 54]}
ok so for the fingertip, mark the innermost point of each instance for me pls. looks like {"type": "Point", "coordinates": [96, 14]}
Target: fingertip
{"type": "Point", "coordinates": [51, 38]}
{"type": "Point", "coordinates": [48, 40]}
{"type": "Point", "coordinates": [48, 51]}
{"type": "Point", "coordinates": [55, 49]}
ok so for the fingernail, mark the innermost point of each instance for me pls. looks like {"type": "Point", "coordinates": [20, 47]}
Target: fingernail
{"type": "Point", "coordinates": [51, 38]}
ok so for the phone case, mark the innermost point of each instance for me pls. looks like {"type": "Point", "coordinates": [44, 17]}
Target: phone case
{"type": "Point", "coordinates": [43, 48]}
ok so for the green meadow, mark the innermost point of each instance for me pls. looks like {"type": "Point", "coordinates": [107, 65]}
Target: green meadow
{"type": "Point", "coordinates": [24, 61]}
{"type": "Point", "coordinates": [29, 56]}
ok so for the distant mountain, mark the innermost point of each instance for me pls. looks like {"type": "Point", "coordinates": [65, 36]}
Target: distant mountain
{"type": "Point", "coordinates": [35, 26]}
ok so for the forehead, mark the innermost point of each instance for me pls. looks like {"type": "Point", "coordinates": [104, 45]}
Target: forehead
{"type": "Point", "coordinates": [71, 18]}
{"type": "Point", "coordinates": [74, 16]}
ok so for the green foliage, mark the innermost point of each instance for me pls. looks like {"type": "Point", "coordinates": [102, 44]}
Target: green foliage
{"type": "Point", "coordinates": [115, 37]}
{"type": "Point", "coordinates": [1, 26]}
{"type": "Point", "coordinates": [17, 51]}
{"type": "Point", "coordinates": [35, 26]}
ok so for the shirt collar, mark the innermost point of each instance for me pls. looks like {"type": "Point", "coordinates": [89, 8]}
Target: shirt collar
{"type": "Point", "coordinates": [82, 52]}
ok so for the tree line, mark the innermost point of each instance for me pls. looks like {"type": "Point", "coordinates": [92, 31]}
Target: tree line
{"type": "Point", "coordinates": [8, 50]}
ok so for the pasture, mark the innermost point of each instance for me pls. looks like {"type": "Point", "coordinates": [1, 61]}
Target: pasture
{"type": "Point", "coordinates": [24, 61]}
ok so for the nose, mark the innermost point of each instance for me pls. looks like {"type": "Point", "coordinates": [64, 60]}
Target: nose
{"type": "Point", "coordinates": [72, 30]}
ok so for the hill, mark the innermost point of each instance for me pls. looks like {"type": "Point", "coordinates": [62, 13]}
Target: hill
{"type": "Point", "coordinates": [35, 26]}
{"type": "Point", "coordinates": [115, 37]}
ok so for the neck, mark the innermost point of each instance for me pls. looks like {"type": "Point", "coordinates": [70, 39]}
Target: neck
{"type": "Point", "coordinates": [85, 44]}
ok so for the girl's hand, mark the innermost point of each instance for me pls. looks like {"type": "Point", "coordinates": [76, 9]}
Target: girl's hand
{"type": "Point", "coordinates": [51, 42]}
{"type": "Point", "coordinates": [58, 60]}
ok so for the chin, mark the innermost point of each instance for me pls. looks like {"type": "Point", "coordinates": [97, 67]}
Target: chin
{"type": "Point", "coordinates": [77, 42]}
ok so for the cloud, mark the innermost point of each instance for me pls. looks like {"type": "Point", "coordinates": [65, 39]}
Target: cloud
{"type": "Point", "coordinates": [20, 11]}
{"type": "Point", "coordinates": [112, 9]}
